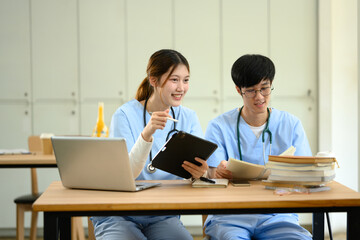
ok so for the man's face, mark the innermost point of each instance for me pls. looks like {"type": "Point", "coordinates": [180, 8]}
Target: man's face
{"type": "Point", "coordinates": [253, 98]}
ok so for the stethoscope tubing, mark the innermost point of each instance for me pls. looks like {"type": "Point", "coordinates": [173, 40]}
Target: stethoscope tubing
{"type": "Point", "coordinates": [150, 167]}
{"type": "Point", "coordinates": [266, 130]}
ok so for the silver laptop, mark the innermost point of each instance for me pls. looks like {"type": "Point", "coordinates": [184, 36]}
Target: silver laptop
{"type": "Point", "coordinates": [95, 163]}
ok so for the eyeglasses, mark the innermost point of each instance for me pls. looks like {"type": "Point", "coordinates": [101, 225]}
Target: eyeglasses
{"type": "Point", "coordinates": [265, 91]}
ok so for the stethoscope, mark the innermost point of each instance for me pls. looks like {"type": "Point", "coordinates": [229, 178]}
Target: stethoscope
{"type": "Point", "coordinates": [266, 130]}
{"type": "Point", "coordinates": [150, 168]}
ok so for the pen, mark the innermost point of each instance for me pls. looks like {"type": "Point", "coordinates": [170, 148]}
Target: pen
{"type": "Point", "coordinates": [168, 118]}
{"type": "Point", "coordinates": [171, 119]}
{"type": "Point", "coordinates": [207, 180]}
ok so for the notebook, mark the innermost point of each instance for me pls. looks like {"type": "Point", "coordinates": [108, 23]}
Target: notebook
{"type": "Point", "coordinates": [219, 183]}
{"type": "Point", "coordinates": [95, 163]}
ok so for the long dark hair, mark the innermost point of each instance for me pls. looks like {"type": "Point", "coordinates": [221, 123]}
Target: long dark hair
{"type": "Point", "coordinates": [159, 63]}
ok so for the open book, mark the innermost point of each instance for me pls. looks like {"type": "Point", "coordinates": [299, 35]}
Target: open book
{"type": "Point", "coordinates": [251, 171]}
{"type": "Point", "coordinates": [245, 170]}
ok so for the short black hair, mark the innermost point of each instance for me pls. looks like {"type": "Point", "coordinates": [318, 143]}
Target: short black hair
{"type": "Point", "coordinates": [251, 69]}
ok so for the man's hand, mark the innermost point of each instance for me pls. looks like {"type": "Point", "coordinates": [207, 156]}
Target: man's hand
{"type": "Point", "coordinates": [222, 172]}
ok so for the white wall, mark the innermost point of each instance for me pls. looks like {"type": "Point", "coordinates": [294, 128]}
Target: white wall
{"type": "Point", "coordinates": [338, 90]}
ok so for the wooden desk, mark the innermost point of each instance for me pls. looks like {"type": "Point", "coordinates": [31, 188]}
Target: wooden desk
{"type": "Point", "coordinates": [27, 161]}
{"type": "Point", "coordinates": [178, 197]}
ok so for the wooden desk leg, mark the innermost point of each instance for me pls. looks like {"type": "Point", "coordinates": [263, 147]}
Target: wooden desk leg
{"type": "Point", "coordinates": [353, 223]}
{"type": "Point", "coordinates": [65, 228]}
{"type": "Point", "coordinates": [318, 226]}
{"type": "Point", "coordinates": [51, 226]}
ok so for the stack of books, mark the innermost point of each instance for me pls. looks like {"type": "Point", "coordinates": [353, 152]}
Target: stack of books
{"type": "Point", "coordinates": [309, 173]}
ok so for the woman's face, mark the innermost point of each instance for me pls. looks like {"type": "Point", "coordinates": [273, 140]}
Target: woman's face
{"type": "Point", "coordinates": [257, 103]}
{"type": "Point", "coordinates": [175, 87]}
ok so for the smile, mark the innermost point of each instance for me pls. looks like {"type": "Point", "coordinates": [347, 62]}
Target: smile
{"type": "Point", "coordinates": [177, 96]}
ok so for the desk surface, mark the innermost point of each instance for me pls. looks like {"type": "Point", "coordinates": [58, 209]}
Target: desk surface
{"type": "Point", "coordinates": [179, 195]}
{"type": "Point", "coordinates": [27, 160]}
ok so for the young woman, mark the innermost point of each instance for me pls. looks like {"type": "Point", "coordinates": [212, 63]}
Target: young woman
{"type": "Point", "coordinates": [251, 133]}
{"type": "Point", "coordinates": [144, 123]}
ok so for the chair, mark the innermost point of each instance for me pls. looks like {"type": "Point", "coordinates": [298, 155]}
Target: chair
{"type": "Point", "coordinates": [204, 217]}
{"type": "Point", "coordinates": [91, 234]}
{"type": "Point", "coordinates": [24, 203]}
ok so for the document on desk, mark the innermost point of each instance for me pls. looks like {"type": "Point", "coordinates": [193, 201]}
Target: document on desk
{"type": "Point", "coordinates": [245, 170]}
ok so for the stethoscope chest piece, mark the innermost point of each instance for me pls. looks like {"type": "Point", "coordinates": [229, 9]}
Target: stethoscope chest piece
{"type": "Point", "coordinates": [150, 168]}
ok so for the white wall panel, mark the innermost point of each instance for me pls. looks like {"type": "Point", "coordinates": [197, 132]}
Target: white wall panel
{"type": "Point", "coordinates": [149, 29]}
{"type": "Point", "coordinates": [102, 49]}
{"type": "Point", "coordinates": [245, 31]}
{"type": "Point", "coordinates": [293, 48]}
{"type": "Point", "coordinates": [58, 117]}
{"type": "Point", "coordinates": [54, 48]}
{"type": "Point", "coordinates": [293, 45]}
{"type": "Point", "coordinates": [14, 49]}
{"type": "Point", "coordinates": [197, 37]}
{"type": "Point", "coordinates": [15, 125]}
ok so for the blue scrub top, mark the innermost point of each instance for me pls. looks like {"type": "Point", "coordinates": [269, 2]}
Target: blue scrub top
{"type": "Point", "coordinates": [286, 129]}
{"type": "Point", "coordinates": [127, 122]}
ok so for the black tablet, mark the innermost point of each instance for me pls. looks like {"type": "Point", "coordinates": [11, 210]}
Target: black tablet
{"type": "Point", "coordinates": [182, 147]}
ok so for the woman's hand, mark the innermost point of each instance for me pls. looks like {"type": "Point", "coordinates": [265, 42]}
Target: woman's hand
{"type": "Point", "coordinates": [194, 170]}
{"type": "Point", "coordinates": [157, 121]}
{"type": "Point", "coordinates": [222, 172]}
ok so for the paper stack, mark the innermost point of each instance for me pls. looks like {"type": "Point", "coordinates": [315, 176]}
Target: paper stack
{"type": "Point", "coordinates": [312, 173]}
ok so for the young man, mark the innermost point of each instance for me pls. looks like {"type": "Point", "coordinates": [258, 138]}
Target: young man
{"type": "Point", "coordinates": [251, 133]}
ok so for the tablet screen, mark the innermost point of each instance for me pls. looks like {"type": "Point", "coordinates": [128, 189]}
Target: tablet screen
{"type": "Point", "coordinates": [182, 147]}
